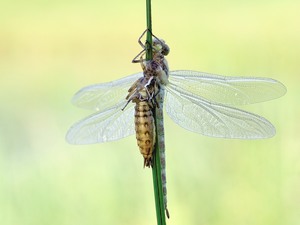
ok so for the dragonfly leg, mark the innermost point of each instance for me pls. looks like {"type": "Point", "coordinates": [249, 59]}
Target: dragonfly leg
{"type": "Point", "coordinates": [140, 38]}
{"type": "Point", "coordinates": [147, 30]}
{"type": "Point", "coordinates": [142, 53]}
{"type": "Point", "coordinates": [135, 60]}
{"type": "Point", "coordinates": [167, 213]}
{"type": "Point", "coordinates": [126, 104]}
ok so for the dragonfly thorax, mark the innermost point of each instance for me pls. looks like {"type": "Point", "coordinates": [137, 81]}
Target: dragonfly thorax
{"type": "Point", "coordinates": [152, 68]}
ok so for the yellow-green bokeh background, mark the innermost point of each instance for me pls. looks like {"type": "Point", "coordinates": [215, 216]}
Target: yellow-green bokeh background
{"type": "Point", "coordinates": [50, 49]}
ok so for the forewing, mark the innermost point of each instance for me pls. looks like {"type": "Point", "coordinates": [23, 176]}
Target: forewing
{"type": "Point", "coordinates": [100, 97]}
{"type": "Point", "coordinates": [215, 120]}
{"type": "Point", "coordinates": [108, 125]}
{"type": "Point", "coordinates": [227, 90]}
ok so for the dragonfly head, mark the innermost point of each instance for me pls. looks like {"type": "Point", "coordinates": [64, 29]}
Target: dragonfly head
{"type": "Point", "coordinates": [160, 46]}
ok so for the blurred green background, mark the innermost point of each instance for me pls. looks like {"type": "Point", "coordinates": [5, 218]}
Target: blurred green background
{"type": "Point", "coordinates": [50, 49]}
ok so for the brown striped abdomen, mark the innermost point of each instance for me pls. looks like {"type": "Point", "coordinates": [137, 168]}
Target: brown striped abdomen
{"type": "Point", "coordinates": [145, 130]}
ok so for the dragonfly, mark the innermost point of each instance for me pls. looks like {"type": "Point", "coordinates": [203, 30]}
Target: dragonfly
{"type": "Point", "coordinates": [199, 102]}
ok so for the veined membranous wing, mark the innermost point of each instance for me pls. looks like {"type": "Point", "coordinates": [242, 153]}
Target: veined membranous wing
{"type": "Point", "coordinates": [111, 121]}
{"type": "Point", "coordinates": [204, 103]}
{"type": "Point", "coordinates": [199, 102]}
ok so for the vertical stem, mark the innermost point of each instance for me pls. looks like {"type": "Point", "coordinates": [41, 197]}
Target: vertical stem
{"type": "Point", "coordinates": [157, 185]}
{"type": "Point", "coordinates": [156, 169]}
{"type": "Point", "coordinates": [149, 31]}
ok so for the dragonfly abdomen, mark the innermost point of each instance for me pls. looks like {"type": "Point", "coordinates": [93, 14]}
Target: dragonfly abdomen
{"type": "Point", "coordinates": [145, 130]}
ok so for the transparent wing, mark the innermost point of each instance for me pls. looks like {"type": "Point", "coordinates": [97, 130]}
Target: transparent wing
{"type": "Point", "coordinates": [227, 90]}
{"type": "Point", "coordinates": [108, 125]}
{"type": "Point", "coordinates": [104, 96]}
{"type": "Point", "coordinates": [212, 119]}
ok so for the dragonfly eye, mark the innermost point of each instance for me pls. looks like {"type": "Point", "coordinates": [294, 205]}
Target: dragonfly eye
{"type": "Point", "coordinates": [165, 49]}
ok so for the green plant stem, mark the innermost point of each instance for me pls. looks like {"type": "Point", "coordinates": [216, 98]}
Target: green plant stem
{"type": "Point", "coordinates": [149, 31]}
{"type": "Point", "coordinates": [156, 169]}
{"type": "Point", "coordinates": [157, 185]}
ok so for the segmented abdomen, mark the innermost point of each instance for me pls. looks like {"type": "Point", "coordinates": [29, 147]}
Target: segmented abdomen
{"type": "Point", "coordinates": [145, 130]}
